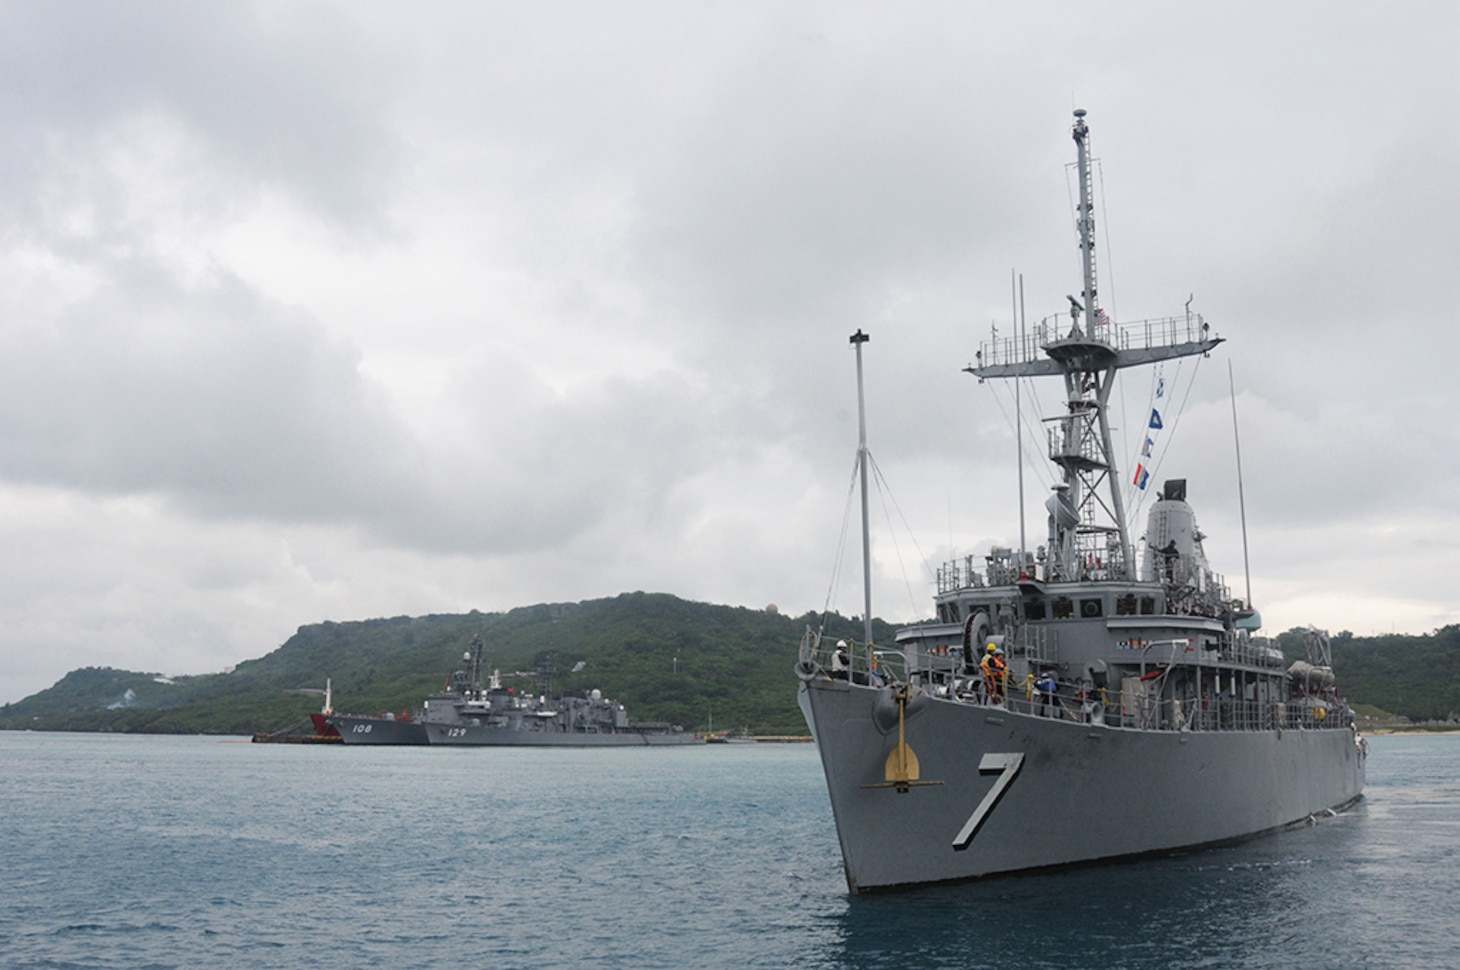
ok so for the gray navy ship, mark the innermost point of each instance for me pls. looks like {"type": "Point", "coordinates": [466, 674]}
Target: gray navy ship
{"type": "Point", "coordinates": [1092, 700]}
{"type": "Point", "coordinates": [471, 712]}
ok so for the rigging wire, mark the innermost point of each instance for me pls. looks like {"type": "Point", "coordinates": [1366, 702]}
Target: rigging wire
{"type": "Point", "coordinates": [1138, 500]}
{"type": "Point", "coordinates": [1111, 305]}
{"type": "Point", "coordinates": [1158, 375]}
{"type": "Point", "coordinates": [1123, 430]}
{"type": "Point", "coordinates": [841, 547]}
{"type": "Point", "coordinates": [1135, 496]}
{"type": "Point", "coordinates": [1109, 260]}
{"type": "Point", "coordinates": [1071, 167]}
{"type": "Point", "coordinates": [1040, 472]}
{"type": "Point", "coordinates": [1033, 387]}
{"type": "Point", "coordinates": [1036, 426]}
{"type": "Point", "coordinates": [1241, 496]}
{"type": "Point", "coordinates": [884, 493]}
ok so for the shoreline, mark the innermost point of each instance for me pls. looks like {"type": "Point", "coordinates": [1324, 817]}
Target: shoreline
{"type": "Point", "coordinates": [1406, 729]}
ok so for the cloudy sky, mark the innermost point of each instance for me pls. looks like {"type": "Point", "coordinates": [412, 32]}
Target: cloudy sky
{"type": "Point", "coordinates": [341, 310]}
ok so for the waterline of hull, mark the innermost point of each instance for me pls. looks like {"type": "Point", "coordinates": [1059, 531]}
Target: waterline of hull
{"type": "Point", "coordinates": [377, 730]}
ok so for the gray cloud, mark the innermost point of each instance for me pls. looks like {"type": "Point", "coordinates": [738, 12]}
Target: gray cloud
{"type": "Point", "coordinates": [294, 97]}
{"type": "Point", "coordinates": [320, 312]}
{"type": "Point", "coordinates": [214, 396]}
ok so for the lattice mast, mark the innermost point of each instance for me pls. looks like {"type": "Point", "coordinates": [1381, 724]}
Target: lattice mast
{"type": "Point", "coordinates": [1088, 529]}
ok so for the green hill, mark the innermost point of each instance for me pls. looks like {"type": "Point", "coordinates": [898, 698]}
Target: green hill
{"type": "Point", "coordinates": [1414, 676]}
{"type": "Point", "coordinates": [665, 658]}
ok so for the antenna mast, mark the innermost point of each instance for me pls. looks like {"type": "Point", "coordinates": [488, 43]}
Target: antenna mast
{"type": "Point", "coordinates": [1019, 419]}
{"type": "Point", "coordinates": [858, 339]}
{"type": "Point", "coordinates": [1086, 221]}
{"type": "Point", "coordinates": [1241, 498]}
{"type": "Point", "coordinates": [1088, 528]}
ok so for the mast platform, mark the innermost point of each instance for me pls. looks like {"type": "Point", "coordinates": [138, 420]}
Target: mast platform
{"type": "Point", "coordinates": [1047, 351]}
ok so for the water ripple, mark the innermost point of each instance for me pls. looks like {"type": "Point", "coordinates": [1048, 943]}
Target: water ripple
{"type": "Point", "coordinates": [184, 852]}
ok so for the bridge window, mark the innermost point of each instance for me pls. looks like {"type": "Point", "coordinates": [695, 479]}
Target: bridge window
{"type": "Point", "coordinates": [1125, 605]}
{"type": "Point", "coordinates": [1064, 608]}
{"type": "Point", "coordinates": [1090, 609]}
{"type": "Point", "coordinates": [1034, 608]}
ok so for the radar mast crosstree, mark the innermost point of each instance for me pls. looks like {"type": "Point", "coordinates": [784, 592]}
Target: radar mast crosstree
{"type": "Point", "coordinates": [1086, 526]}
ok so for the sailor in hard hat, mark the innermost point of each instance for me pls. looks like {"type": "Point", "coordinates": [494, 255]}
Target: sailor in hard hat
{"type": "Point", "coordinates": [839, 662]}
{"type": "Point", "coordinates": [994, 670]}
{"type": "Point", "coordinates": [1047, 688]}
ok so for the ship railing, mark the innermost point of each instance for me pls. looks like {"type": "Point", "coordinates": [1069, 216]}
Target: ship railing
{"type": "Point", "coordinates": [1327, 712]}
{"type": "Point", "coordinates": [1029, 346]}
{"type": "Point", "coordinates": [1000, 567]}
{"type": "Point", "coordinates": [1161, 332]}
{"type": "Point", "coordinates": [868, 664]}
{"type": "Point", "coordinates": [1025, 696]}
{"type": "Point", "coordinates": [1072, 702]}
{"type": "Point", "coordinates": [959, 574]}
{"type": "Point", "coordinates": [1181, 573]}
{"type": "Point", "coordinates": [1136, 335]}
{"type": "Point", "coordinates": [848, 659]}
{"type": "Point", "coordinates": [1075, 440]}
{"type": "Point", "coordinates": [1237, 647]}
{"type": "Point", "coordinates": [1096, 558]}
{"type": "Point", "coordinates": [1222, 712]}
{"type": "Point", "coordinates": [1039, 643]}
{"type": "Point", "coordinates": [1020, 348]}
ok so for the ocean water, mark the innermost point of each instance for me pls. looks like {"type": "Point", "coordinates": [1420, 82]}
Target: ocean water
{"type": "Point", "coordinates": [121, 851]}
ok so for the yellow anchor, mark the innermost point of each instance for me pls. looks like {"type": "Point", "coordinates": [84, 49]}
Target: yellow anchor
{"type": "Point", "coordinates": [902, 771]}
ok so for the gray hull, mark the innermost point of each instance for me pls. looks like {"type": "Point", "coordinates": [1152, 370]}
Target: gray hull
{"type": "Point", "coordinates": [377, 730]}
{"type": "Point", "coordinates": [478, 735]}
{"type": "Point", "coordinates": [1023, 791]}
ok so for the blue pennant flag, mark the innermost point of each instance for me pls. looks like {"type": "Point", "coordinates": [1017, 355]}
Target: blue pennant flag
{"type": "Point", "coordinates": [1156, 419]}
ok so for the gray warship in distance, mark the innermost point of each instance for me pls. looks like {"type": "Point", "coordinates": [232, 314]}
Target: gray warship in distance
{"type": "Point", "coordinates": [1138, 714]}
{"type": "Point", "coordinates": [469, 712]}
